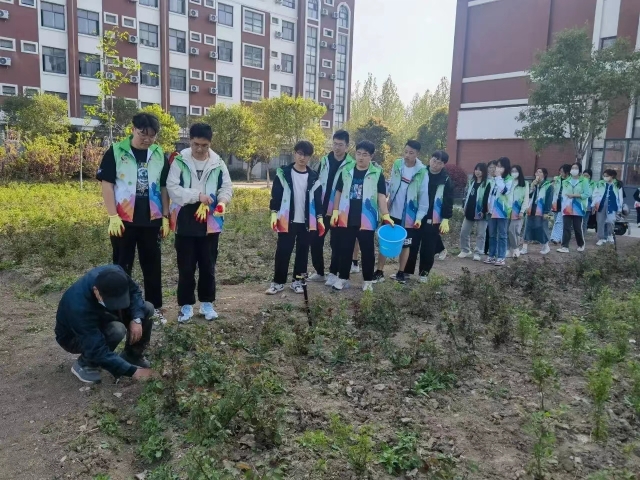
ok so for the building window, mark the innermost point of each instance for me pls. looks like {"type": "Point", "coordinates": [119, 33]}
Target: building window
{"type": "Point", "coordinates": [328, 2]}
{"type": "Point", "coordinates": [54, 60]}
{"type": "Point", "coordinates": [288, 29]}
{"type": "Point", "coordinates": [196, 110]}
{"type": "Point", "coordinates": [325, 123]}
{"type": "Point", "coordinates": [28, 3]}
{"type": "Point", "coordinates": [209, 77]}
{"type": "Point", "coordinates": [111, 19]}
{"type": "Point", "coordinates": [343, 17]}
{"type": "Point", "coordinates": [275, 20]}
{"type": "Point", "coordinates": [225, 15]}
{"type": "Point", "coordinates": [341, 81]}
{"type": "Point", "coordinates": [89, 65]}
{"type": "Point", "coordinates": [177, 41]}
{"type": "Point", "coordinates": [225, 86]}
{"type": "Point", "coordinates": [284, 90]}
{"type": "Point", "coordinates": [148, 35]}
{"type": "Point", "coordinates": [177, 6]}
{"type": "Point", "coordinates": [225, 50]}
{"type": "Point", "coordinates": [149, 75]}
{"type": "Point", "coordinates": [312, 9]}
{"type": "Point", "coordinates": [251, 90]}
{"type": "Point", "coordinates": [60, 95]}
{"type": "Point", "coordinates": [287, 63]}
{"type": "Point", "coordinates": [88, 23]}
{"type": "Point", "coordinates": [178, 113]}
{"type": "Point", "coordinates": [310, 63]}
{"type": "Point", "coordinates": [7, 44]}
{"type": "Point", "coordinates": [327, 63]}
{"type": "Point", "coordinates": [209, 40]}
{"type": "Point", "coordinates": [607, 42]}
{"type": "Point", "coordinates": [195, 37]}
{"type": "Point", "coordinates": [9, 90]}
{"type": "Point", "coordinates": [52, 15]}
{"type": "Point", "coordinates": [149, 3]}
{"type": "Point", "coordinates": [253, 22]}
{"type": "Point", "coordinates": [289, 3]}
{"type": "Point", "coordinates": [325, 93]}
{"type": "Point", "coordinates": [87, 101]}
{"type": "Point", "coordinates": [195, 74]}
{"type": "Point", "coordinates": [178, 79]}
{"type": "Point", "coordinates": [274, 54]}
{"type": "Point", "coordinates": [252, 56]}
{"type": "Point", "coordinates": [210, 3]}
{"type": "Point", "coordinates": [327, 32]}
{"type": "Point", "coordinates": [30, 91]}
{"type": "Point", "coordinates": [29, 47]}
{"type": "Point", "coordinates": [128, 22]}
{"type": "Point", "coordinates": [274, 86]}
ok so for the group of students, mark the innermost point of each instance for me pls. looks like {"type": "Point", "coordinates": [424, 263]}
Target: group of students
{"type": "Point", "coordinates": [348, 199]}
{"type": "Point", "coordinates": [499, 200]}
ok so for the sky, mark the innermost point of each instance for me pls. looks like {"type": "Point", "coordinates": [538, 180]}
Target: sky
{"type": "Point", "coordinates": [411, 40]}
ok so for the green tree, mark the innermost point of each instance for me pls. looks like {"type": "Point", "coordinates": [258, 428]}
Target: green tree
{"type": "Point", "coordinates": [577, 91]}
{"type": "Point", "coordinates": [123, 111]}
{"type": "Point", "coordinates": [364, 100]}
{"type": "Point", "coordinates": [169, 130]}
{"type": "Point", "coordinates": [376, 131]}
{"type": "Point", "coordinates": [12, 106]}
{"type": "Point", "coordinates": [433, 134]}
{"type": "Point", "coordinates": [392, 111]}
{"type": "Point", "coordinates": [43, 115]}
{"type": "Point", "coordinates": [423, 107]}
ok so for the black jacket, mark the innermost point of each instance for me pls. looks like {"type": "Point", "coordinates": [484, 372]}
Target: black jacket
{"type": "Point", "coordinates": [80, 316]}
{"type": "Point", "coordinates": [186, 223]}
{"type": "Point", "coordinates": [277, 190]}
{"type": "Point", "coordinates": [435, 180]}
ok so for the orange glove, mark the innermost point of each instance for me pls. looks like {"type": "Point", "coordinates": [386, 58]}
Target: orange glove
{"type": "Point", "coordinates": [386, 219]}
{"type": "Point", "coordinates": [220, 210]}
{"type": "Point", "coordinates": [334, 218]}
{"type": "Point", "coordinates": [202, 212]}
{"type": "Point", "coordinates": [321, 228]}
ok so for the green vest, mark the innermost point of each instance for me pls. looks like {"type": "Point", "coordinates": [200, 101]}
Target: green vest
{"type": "Point", "coordinates": [347, 164]}
{"type": "Point", "coordinates": [482, 189]}
{"type": "Point", "coordinates": [370, 214]}
{"type": "Point", "coordinates": [411, 202]}
{"type": "Point", "coordinates": [519, 196]}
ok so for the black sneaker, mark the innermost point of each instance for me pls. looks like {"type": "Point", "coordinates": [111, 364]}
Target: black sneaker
{"type": "Point", "coordinates": [135, 361]}
{"type": "Point", "coordinates": [85, 372]}
{"type": "Point", "coordinates": [378, 276]}
{"type": "Point", "coordinates": [401, 278]}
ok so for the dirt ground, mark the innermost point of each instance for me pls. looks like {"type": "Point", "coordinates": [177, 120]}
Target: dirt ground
{"type": "Point", "coordinates": [47, 416]}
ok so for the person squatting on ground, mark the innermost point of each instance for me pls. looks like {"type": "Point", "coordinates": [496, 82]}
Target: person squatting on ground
{"type": "Point", "coordinates": [519, 205]}
{"type": "Point", "coordinates": [134, 173]}
{"type": "Point", "coordinates": [500, 211]}
{"type": "Point", "coordinates": [200, 190]}
{"type": "Point", "coordinates": [540, 200]}
{"type": "Point", "coordinates": [475, 213]}
{"type": "Point", "coordinates": [588, 174]}
{"type": "Point", "coordinates": [294, 196]}
{"type": "Point", "coordinates": [360, 203]}
{"type": "Point", "coordinates": [440, 187]}
{"type": "Point", "coordinates": [95, 314]}
{"type": "Point", "coordinates": [575, 192]}
{"type": "Point", "coordinates": [558, 226]}
{"type": "Point", "coordinates": [607, 203]}
{"type": "Point", "coordinates": [408, 202]}
{"type": "Point", "coordinates": [331, 167]}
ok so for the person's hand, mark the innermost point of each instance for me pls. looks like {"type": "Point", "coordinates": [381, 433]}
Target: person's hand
{"type": "Point", "coordinates": [386, 219]}
{"type": "Point", "coordinates": [144, 374]}
{"type": "Point", "coordinates": [274, 221]}
{"type": "Point", "coordinates": [321, 228]}
{"type": "Point", "coordinates": [116, 227]}
{"type": "Point", "coordinates": [205, 199]}
{"type": "Point", "coordinates": [594, 210]}
{"type": "Point", "coordinates": [202, 212]}
{"type": "Point", "coordinates": [166, 227]}
{"type": "Point", "coordinates": [135, 332]}
{"type": "Point", "coordinates": [444, 226]}
{"type": "Point", "coordinates": [417, 224]}
{"type": "Point", "coordinates": [334, 218]}
{"type": "Point", "coordinates": [220, 210]}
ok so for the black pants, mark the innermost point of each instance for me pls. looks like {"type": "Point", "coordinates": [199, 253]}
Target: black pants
{"type": "Point", "coordinates": [428, 245]}
{"type": "Point", "coordinates": [486, 241]}
{"type": "Point", "coordinates": [147, 239]}
{"type": "Point", "coordinates": [574, 221]}
{"type": "Point", "coordinates": [114, 327]}
{"type": "Point", "coordinates": [298, 236]}
{"type": "Point", "coordinates": [638, 214]}
{"type": "Point", "coordinates": [347, 241]}
{"type": "Point", "coordinates": [201, 253]}
{"type": "Point", "coordinates": [317, 250]}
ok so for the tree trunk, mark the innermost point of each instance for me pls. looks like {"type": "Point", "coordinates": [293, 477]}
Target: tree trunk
{"type": "Point", "coordinates": [81, 155]}
{"type": "Point", "coordinates": [249, 171]}
{"type": "Point", "coordinates": [268, 179]}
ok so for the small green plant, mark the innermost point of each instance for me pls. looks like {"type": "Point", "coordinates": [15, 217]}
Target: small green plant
{"type": "Point", "coordinates": [164, 472]}
{"type": "Point", "coordinates": [620, 333]}
{"type": "Point", "coordinates": [608, 356]}
{"type": "Point", "coordinates": [316, 440]}
{"type": "Point", "coordinates": [109, 425]}
{"type": "Point", "coordinates": [527, 328]}
{"type": "Point", "coordinates": [403, 455]}
{"type": "Point", "coordinates": [540, 428]}
{"type": "Point", "coordinates": [544, 375]}
{"type": "Point", "coordinates": [379, 312]}
{"type": "Point", "coordinates": [433, 380]}
{"type": "Point", "coordinates": [102, 476]}
{"type": "Point", "coordinates": [575, 340]}
{"type": "Point", "coordinates": [154, 448]}
{"type": "Point", "coordinates": [599, 388]}
{"type": "Point", "coordinates": [613, 474]}
{"type": "Point", "coordinates": [634, 395]}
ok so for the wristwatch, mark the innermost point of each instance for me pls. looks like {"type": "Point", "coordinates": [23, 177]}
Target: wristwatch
{"type": "Point", "coordinates": [138, 321]}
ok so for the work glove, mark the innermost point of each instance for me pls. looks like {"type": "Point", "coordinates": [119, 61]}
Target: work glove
{"type": "Point", "coordinates": [166, 228]}
{"type": "Point", "coordinates": [202, 212]}
{"type": "Point", "coordinates": [274, 221]}
{"type": "Point", "coordinates": [116, 227]}
{"type": "Point", "coordinates": [417, 224]}
{"type": "Point", "coordinates": [321, 228]}
{"type": "Point", "coordinates": [220, 210]}
{"type": "Point", "coordinates": [386, 219]}
{"type": "Point", "coordinates": [444, 226]}
{"type": "Point", "coordinates": [334, 218]}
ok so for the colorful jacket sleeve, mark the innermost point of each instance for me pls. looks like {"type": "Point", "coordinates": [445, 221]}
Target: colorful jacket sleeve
{"type": "Point", "coordinates": [447, 199]}
{"type": "Point", "coordinates": [276, 195]}
{"type": "Point", "coordinates": [317, 198]}
{"type": "Point", "coordinates": [423, 198]}
{"type": "Point", "coordinates": [178, 194]}
{"type": "Point", "coordinates": [586, 190]}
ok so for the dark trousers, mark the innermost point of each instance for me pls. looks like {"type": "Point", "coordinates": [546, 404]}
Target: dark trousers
{"type": "Point", "coordinates": [298, 236]}
{"type": "Point", "coordinates": [486, 240]}
{"type": "Point", "coordinates": [347, 241]}
{"type": "Point", "coordinates": [114, 327]}
{"type": "Point", "coordinates": [147, 240]}
{"type": "Point", "coordinates": [570, 221]}
{"type": "Point", "coordinates": [317, 250]}
{"type": "Point", "coordinates": [200, 253]}
{"type": "Point", "coordinates": [428, 245]}
{"type": "Point", "coordinates": [638, 214]}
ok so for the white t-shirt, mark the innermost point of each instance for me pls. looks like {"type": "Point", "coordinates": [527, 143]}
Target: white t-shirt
{"type": "Point", "coordinates": [397, 209]}
{"type": "Point", "coordinates": [200, 164]}
{"type": "Point", "coordinates": [299, 194]}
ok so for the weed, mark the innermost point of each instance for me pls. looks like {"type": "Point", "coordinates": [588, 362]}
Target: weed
{"type": "Point", "coordinates": [608, 356]}
{"type": "Point", "coordinates": [109, 424]}
{"type": "Point", "coordinates": [464, 285]}
{"type": "Point", "coordinates": [420, 346]}
{"type": "Point", "coordinates": [379, 312]}
{"type": "Point", "coordinates": [599, 388]}
{"type": "Point", "coordinates": [165, 472]}
{"type": "Point", "coordinates": [620, 333]}
{"type": "Point", "coordinates": [154, 448]}
{"type": "Point", "coordinates": [316, 440]}
{"type": "Point", "coordinates": [540, 427]}
{"type": "Point", "coordinates": [461, 323]}
{"type": "Point", "coordinates": [613, 474]}
{"type": "Point", "coordinates": [434, 380]}
{"type": "Point", "coordinates": [544, 375]}
{"type": "Point", "coordinates": [403, 456]}
{"type": "Point", "coordinates": [575, 340]}
{"type": "Point", "coordinates": [356, 444]}
{"type": "Point", "coordinates": [634, 395]}
{"type": "Point", "coordinates": [102, 476]}
{"type": "Point", "coordinates": [554, 314]}
{"type": "Point", "coordinates": [527, 329]}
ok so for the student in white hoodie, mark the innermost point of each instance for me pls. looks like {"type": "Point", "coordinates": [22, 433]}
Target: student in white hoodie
{"type": "Point", "coordinates": [200, 190]}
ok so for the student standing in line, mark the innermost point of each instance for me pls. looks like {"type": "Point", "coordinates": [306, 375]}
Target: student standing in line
{"type": "Point", "coordinates": [500, 210]}
{"type": "Point", "coordinates": [200, 190]}
{"type": "Point", "coordinates": [607, 204]}
{"type": "Point", "coordinates": [360, 203]}
{"type": "Point", "coordinates": [294, 196]}
{"type": "Point", "coordinates": [558, 226]}
{"type": "Point", "coordinates": [540, 200]}
{"type": "Point", "coordinates": [588, 174]}
{"type": "Point", "coordinates": [491, 170]}
{"type": "Point", "coordinates": [331, 167]}
{"type": "Point", "coordinates": [575, 192]}
{"type": "Point", "coordinates": [475, 213]}
{"type": "Point", "coordinates": [134, 174]}
{"type": "Point", "coordinates": [519, 205]}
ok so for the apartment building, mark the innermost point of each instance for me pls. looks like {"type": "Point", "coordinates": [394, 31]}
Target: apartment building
{"type": "Point", "coordinates": [495, 45]}
{"type": "Point", "coordinates": [193, 53]}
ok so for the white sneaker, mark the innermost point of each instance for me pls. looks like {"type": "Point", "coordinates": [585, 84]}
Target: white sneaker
{"type": "Point", "coordinates": [341, 284]}
{"type": "Point", "coordinates": [546, 249]}
{"type": "Point", "coordinates": [424, 278]}
{"type": "Point", "coordinates": [610, 239]}
{"type": "Point", "coordinates": [208, 311]}
{"type": "Point", "coordinates": [563, 250]}
{"type": "Point", "coordinates": [599, 243]}
{"type": "Point", "coordinates": [443, 254]}
{"type": "Point", "coordinates": [274, 289]}
{"type": "Point", "coordinates": [477, 257]}
{"type": "Point", "coordinates": [524, 250]}
{"type": "Point", "coordinates": [331, 280]}
{"type": "Point", "coordinates": [464, 254]}
{"type": "Point", "coordinates": [355, 268]}
{"type": "Point", "coordinates": [367, 287]}
{"type": "Point", "coordinates": [317, 278]}
{"type": "Point", "coordinates": [186, 313]}
{"type": "Point", "coordinates": [581, 249]}
{"type": "Point", "coordinates": [508, 254]}
{"type": "Point", "coordinates": [296, 286]}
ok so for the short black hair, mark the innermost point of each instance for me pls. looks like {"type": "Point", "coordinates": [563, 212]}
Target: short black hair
{"type": "Point", "coordinates": [589, 172]}
{"type": "Point", "coordinates": [579, 167]}
{"type": "Point", "coordinates": [544, 171]}
{"type": "Point", "coordinates": [492, 163]}
{"type": "Point", "coordinates": [305, 147]}
{"type": "Point", "coordinates": [201, 130]}
{"type": "Point", "coordinates": [566, 168]}
{"type": "Point", "coordinates": [341, 135]}
{"type": "Point", "coordinates": [611, 172]}
{"type": "Point", "coordinates": [146, 121]}
{"type": "Point", "coordinates": [521, 182]}
{"type": "Point", "coordinates": [367, 146]}
{"type": "Point", "coordinates": [414, 144]}
{"type": "Point", "coordinates": [441, 155]}
{"type": "Point", "coordinates": [506, 164]}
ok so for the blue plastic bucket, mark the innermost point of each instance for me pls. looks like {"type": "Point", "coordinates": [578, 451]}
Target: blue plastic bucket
{"type": "Point", "coordinates": [391, 240]}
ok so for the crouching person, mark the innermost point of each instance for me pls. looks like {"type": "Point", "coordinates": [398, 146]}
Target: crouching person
{"type": "Point", "coordinates": [294, 196]}
{"type": "Point", "coordinates": [95, 314]}
{"type": "Point", "coordinates": [200, 190]}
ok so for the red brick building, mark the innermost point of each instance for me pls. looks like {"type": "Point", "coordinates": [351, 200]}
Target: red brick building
{"type": "Point", "coordinates": [495, 45]}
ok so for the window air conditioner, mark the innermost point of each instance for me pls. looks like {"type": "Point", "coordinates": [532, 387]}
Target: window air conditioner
{"type": "Point", "coordinates": [213, 18]}
{"type": "Point", "coordinates": [194, 51]}
{"type": "Point", "coordinates": [213, 91]}
{"type": "Point", "coordinates": [195, 88]}
{"type": "Point", "coordinates": [134, 78]}
{"type": "Point", "coordinates": [5, 61]}
{"type": "Point", "coordinates": [193, 13]}
{"type": "Point", "coordinates": [213, 54]}
{"type": "Point", "coordinates": [133, 39]}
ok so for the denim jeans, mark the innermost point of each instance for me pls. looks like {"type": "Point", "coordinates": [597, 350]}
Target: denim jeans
{"type": "Point", "coordinates": [498, 237]}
